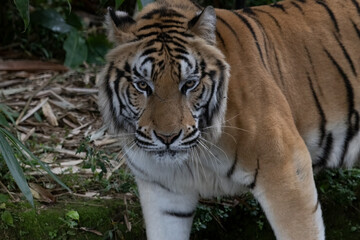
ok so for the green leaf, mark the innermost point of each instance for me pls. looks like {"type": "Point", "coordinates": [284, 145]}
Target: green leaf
{"type": "Point", "coordinates": [118, 3]}
{"type": "Point", "coordinates": [7, 218]}
{"type": "Point", "coordinates": [76, 50]}
{"type": "Point", "coordinates": [74, 20]}
{"type": "Point", "coordinates": [52, 20]}
{"type": "Point", "coordinates": [3, 198]}
{"type": "Point", "coordinates": [3, 121]}
{"type": "Point", "coordinates": [98, 46]}
{"type": "Point", "coordinates": [30, 155]}
{"type": "Point", "coordinates": [74, 215]}
{"type": "Point", "coordinates": [146, 2]}
{"type": "Point", "coordinates": [139, 5]}
{"type": "Point", "coordinates": [23, 8]}
{"type": "Point", "coordinates": [14, 167]}
{"type": "Point", "coordinates": [38, 117]}
{"type": "Point", "coordinates": [9, 113]}
{"type": "Point", "coordinates": [69, 5]}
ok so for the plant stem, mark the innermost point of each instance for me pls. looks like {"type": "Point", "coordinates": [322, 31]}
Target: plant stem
{"type": "Point", "coordinates": [7, 190]}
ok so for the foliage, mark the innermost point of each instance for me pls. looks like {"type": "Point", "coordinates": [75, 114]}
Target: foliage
{"type": "Point", "coordinates": [206, 214]}
{"type": "Point", "coordinates": [23, 8]}
{"type": "Point", "coordinates": [94, 158]}
{"type": "Point", "coordinates": [55, 31]}
{"type": "Point", "coordinates": [12, 150]}
{"type": "Point", "coordinates": [65, 29]}
{"type": "Point", "coordinates": [341, 186]}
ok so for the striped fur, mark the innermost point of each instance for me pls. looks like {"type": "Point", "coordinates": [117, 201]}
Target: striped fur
{"type": "Point", "coordinates": [212, 102]}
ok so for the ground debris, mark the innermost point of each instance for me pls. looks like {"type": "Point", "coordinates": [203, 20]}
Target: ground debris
{"type": "Point", "coordinates": [56, 113]}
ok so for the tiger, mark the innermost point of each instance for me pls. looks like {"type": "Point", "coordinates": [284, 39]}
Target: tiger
{"type": "Point", "coordinates": [210, 102]}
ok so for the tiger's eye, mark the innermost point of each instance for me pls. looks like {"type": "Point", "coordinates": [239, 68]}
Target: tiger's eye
{"type": "Point", "coordinates": [142, 85]}
{"type": "Point", "coordinates": [190, 83]}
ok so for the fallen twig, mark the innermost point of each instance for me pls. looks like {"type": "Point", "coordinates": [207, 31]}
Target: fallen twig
{"type": "Point", "coordinates": [32, 111]}
{"type": "Point", "coordinates": [32, 96]}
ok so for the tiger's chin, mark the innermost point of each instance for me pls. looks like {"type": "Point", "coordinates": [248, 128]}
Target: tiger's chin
{"type": "Point", "coordinates": [170, 157]}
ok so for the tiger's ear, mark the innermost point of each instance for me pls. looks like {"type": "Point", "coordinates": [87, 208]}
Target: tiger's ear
{"type": "Point", "coordinates": [204, 25]}
{"type": "Point", "coordinates": [119, 26]}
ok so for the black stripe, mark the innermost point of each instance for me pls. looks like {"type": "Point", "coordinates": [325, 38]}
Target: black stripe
{"type": "Point", "coordinates": [177, 44]}
{"type": "Point", "coordinates": [172, 21]}
{"type": "Point", "coordinates": [271, 16]}
{"type": "Point", "coordinates": [194, 20]}
{"type": "Point", "coordinates": [143, 135]}
{"type": "Point", "coordinates": [253, 184]}
{"type": "Point", "coordinates": [190, 143]}
{"type": "Point", "coordinates": [230, 28]}
{"type": "Point", "coordinates": [298, 7]}
{"type": "Point", "coordinates": [119, 75]}
{"type": "Point", "coordinates": [141, 36]}
{"type": "Point", "coordinates": [199, 98]}
{"type": "Point", "coordinates": [321, 112]}
{"type": "Point", "coordinates": [128, 95]}
{"type": "Point", "coordinates": [207, 116]}
{"type": "Point", "coordinates": [127, 67]}
{"type": "Point", "coordinates": [179, 39]}
{"type": "Point", "coordinates": [180, 50]}
{"type": "Point", "coordinates": [253, 16]}
{"type": "Point", "coordinates": [302, 1]}
{"type": "Point", "coordinates": [184, 34]}
{"type": "Point", "coordinates": [136, 73]}
{"type": "Point", "coordinates": [352, 113]}
{"type": "Point", "coordinates": [313, 69]}
{"type": "Point", "coordinates": [181, 57]}
{"type": "Point", "coordinates": [163, 12]}
{"type": "Point", "coordinates": [356, 28]}
{"type": "Point", "coordinates": [148, 59]}
{"type": "Point", "coordinates": [279, 68]}
{"type": "Point", "coordinates": [191, 134]}
{"type": "Point", "coordinates": [322, 160]}
{"type": "Point", "coordinates": [347, 56]}
{"type": "Point", "coordinates": [356, 5]}
{"type": "Point", "coordinates": [149, 51]}
{"type": "Point", "coordinates": [145, 145]}
{"type": "Point", "coordinates": [248, 10]}
{"type": "Point", "coordinates": [221, 39]}
{"type": "Point", "coordinates": [232, 168]}
{"type": "Point", "coordinates": [279, 6]}
{"type": "Point", "coordinates": [248, 25]}
{"type": "Point", "coordinates": [159, 25]}
{"type": "Point", "coordinates": [180, 214]}
{"type": "Point", "coordinates": [220, 88]}
{"type": "Point", "coordinates": [331, 14]}
{"type": "Point", "coordinates": [110, 94]}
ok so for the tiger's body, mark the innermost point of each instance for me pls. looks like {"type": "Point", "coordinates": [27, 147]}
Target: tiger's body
{"type": "Point", "coordinates": [253, 103]}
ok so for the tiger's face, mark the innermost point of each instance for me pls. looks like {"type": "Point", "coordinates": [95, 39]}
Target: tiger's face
{"type": "Point", "coordinates": [164, 85]}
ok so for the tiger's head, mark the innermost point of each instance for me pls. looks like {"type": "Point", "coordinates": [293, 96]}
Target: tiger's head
{"type": "Point", "coordinates": [165, 82]}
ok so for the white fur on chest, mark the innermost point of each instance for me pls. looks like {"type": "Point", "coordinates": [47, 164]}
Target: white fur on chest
{"type": "Point", "coordinates": [205, 172]}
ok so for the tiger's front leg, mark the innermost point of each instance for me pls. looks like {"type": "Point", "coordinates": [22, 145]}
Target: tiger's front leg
{"type": "Point", "coordinates": [286, 191]}
{"type": "Point", "coordinates": [168, 215]}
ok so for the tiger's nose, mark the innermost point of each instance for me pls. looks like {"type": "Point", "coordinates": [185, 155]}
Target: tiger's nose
{"type": "Point", "coordinates": [167, 139]}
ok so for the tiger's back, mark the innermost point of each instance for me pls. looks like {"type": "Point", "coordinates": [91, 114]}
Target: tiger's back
{"type": "Point", "coordinates": [311, 50]}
